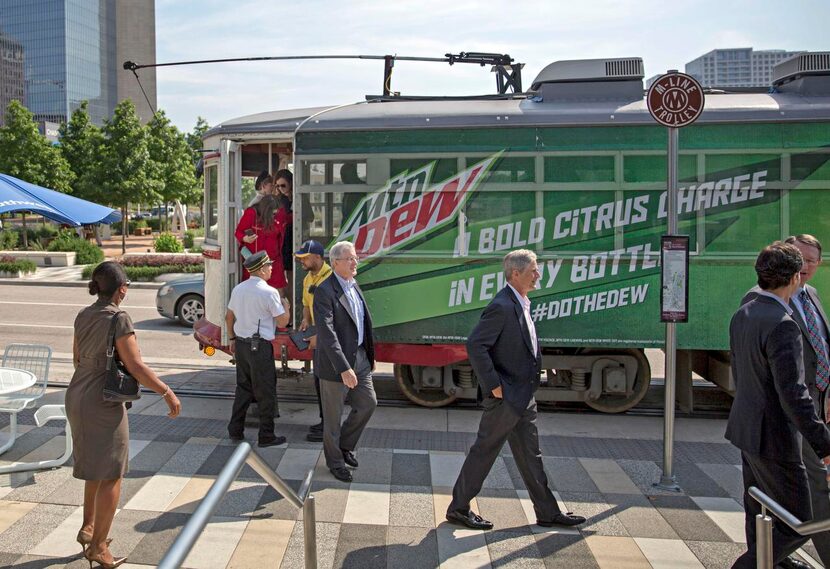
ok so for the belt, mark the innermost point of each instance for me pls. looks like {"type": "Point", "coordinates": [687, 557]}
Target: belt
{"type": "Point", "coordinates": [249, 340]}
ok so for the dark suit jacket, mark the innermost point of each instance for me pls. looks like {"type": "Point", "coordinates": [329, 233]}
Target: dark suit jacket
{"type": "Point", "coordinates": [772, 405]}
{"type": "Point", "coordinates": [337, 330]}
{"type": "Point", "coordinates": [810, 358]}
{"type": "Point", "coordinates": [501, 352]}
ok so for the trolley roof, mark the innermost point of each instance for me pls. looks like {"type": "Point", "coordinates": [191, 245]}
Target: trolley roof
{"type": "Point", "coordinates": [271, 121]}
{"type": "Point", "coordinates": [403, 114]}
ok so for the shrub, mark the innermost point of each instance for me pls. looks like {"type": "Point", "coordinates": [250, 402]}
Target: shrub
{"type": "Point", "coordinates": [188, 239]}
{"type": "Point", "coordinates": [145, 273]}
{"type": "Point", "coordinates": [168, 243]}
{"type": "Point", "coordinates": [8, 239]}
{"type": "Point", "coordinates": [12, 265]}
{"type": "Point", "coordinates": [138, 223]}
{"type": "Point", "coordinates": [153, 223]}
{"type": "Point", "coordinates": [86, 252]}
{"type": "Point", "coordinates": [159, 260]}
{"type": "Point", "coordinates": [46, 231]}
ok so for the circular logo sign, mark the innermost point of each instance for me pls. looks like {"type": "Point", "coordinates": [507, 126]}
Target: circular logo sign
{"type": "Point", "coordinates": [675, 100]}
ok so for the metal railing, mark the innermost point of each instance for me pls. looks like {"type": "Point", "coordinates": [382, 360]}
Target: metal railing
{"type": "Point", "coordinates": [763, 526]}
{"type": "Point", "coordinates": [243, 454]}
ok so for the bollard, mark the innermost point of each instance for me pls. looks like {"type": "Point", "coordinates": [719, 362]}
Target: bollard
{"type": "Point", "coordinates": [763, 538]}
{"type": "Point", "coordinates": [310, 533]}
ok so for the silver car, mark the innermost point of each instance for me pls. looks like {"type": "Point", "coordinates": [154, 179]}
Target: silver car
{"type": "Point", "coordinates": [183, 299]}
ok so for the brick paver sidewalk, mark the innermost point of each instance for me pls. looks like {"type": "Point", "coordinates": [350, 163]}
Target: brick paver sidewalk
{"type": "Point", "coordinates": [392, 515]}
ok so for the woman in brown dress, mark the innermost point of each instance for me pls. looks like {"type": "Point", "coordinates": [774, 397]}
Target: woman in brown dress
{"type": "Point", "coordinates": [100, 433]}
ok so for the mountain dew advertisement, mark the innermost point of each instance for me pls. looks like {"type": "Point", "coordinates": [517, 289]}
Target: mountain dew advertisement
{"type": "Point", "coordinates": [431, 252]}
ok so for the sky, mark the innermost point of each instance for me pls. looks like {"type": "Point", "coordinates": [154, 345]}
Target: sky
{"type": "Point", "coordinates": [665, 34]}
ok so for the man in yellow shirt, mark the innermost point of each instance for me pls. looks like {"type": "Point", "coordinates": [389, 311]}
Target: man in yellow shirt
{"type": "Point", "coordinates": [310, 256]}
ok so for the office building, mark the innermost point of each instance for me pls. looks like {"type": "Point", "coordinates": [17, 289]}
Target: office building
{"type": "Point", "coordinates": [741, 67]}
{"type": "Point", "coordinates": [73, 51]}
{"type": "Point", "coordinates": [11, 73]}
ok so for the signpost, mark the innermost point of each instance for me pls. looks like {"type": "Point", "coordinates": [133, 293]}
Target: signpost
{"type": "Point", "coordinates": [674, 100]}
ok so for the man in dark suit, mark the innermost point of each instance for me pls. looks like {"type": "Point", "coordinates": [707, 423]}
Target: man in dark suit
{"type": "Point", "coordinates": [809, 314]}
{"type": "Point", "coordinates": [344, 360]}
{"type": "Point", "coordinates": [772, 404]}
{"type": "Point", "coordinates": [505, 355]}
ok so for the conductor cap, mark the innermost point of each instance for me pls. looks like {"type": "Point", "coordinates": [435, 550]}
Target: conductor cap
{"type": "Point", "coordinates": [256, 261]}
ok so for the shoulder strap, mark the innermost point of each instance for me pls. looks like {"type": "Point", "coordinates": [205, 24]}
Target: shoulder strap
{"type": "Point", "coordinates": [111, 339]}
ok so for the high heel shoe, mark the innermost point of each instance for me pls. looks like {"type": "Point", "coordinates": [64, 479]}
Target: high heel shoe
{"type": "Point", "coordinates": [85, 539]}
{"type": "Point", "coordinates": [115, 563]}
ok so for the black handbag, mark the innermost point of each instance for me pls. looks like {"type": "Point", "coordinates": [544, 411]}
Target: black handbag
{"type": "Point", "coordinates": [119, 386]}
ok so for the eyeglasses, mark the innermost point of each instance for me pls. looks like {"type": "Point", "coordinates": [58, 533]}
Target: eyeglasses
{"type": "Point", "coordinates": [355, 259]}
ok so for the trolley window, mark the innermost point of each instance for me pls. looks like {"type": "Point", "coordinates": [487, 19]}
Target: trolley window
{"type": "Point", "coordinates": [564, 169]}
{"type": "Point", "coordinates": [211, 203]}
{"type": "Point", "coordinates": [652, 168]}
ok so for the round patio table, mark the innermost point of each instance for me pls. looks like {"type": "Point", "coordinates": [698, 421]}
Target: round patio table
{"type": "Point", "coordinates": [12, 380]}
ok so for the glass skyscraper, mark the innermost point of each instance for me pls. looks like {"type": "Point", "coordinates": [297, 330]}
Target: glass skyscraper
{"type": "Point", "coordinates": [70, 53]}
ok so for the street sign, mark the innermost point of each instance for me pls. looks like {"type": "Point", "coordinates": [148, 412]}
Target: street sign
{"type": "Point", "coordinates": [674, 278]}
{"type": "Point", "coordinates": [675, 100]}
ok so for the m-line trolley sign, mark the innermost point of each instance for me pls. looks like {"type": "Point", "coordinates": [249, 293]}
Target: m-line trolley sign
{"type": "Point", "coordinates": [674, 100]}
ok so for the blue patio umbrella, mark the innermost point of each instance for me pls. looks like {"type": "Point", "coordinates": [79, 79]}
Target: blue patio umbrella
{"type": "Point", "coordinates": [17, 195]}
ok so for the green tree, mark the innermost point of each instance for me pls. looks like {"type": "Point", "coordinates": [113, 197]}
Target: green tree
{"type": "Point", "coordinates": [124, 169]}
{"type": "Point", "coordinates": [195, 138]}
{"type": "Point", "coordinates": [26, 154]}
{"type": "Point", "coordinates": [172, 163]}
{"type": "Point", "coordinates": [81, 143]}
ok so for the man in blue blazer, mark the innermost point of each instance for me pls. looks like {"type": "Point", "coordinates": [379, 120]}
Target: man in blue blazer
{"type": "Point", "coordinates": [809, 314]}
{"type": "Point", "coordinates": [772, 404]}
{"type": "Point", "coordinates": [505, 355]}
{"type": "Point", "coordinates": [344, 360]}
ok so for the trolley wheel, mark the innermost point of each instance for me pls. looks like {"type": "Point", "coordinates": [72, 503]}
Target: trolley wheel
{"type": "Point", "coordinates": [424, 396]}
{"type": "Point", "coordinates": [610, 403]}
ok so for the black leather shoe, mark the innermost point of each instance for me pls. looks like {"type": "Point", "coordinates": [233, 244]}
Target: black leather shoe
{"type": "Point", "coordinates": [314, 436]}
{"type": "Point", "coordinates": [793, 563]}
{"type": "Point", "coordinates": [349, 458]}
{"type": "Point", "coordinates": [470, 519]}
{"type": "Point", "coordinates": [237, 438]}
{"type": "Point", "coordinates": [342, 473]}
{"type": "Point", "coordinates": [318, 428]}
{"type": "Point", "coordinates": [276, 441]}
{"type": "Point", "coordinates": [562, 519]}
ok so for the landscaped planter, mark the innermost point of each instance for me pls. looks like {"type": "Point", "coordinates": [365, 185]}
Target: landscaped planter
{"type": "Point", "coordinates": [142, 231]}
{"type": "Point", "coordinates": [12, 274]}
{"type": "Point", "coordinates": [44, 258]}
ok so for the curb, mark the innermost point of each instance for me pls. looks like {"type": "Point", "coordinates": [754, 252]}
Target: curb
{"type": "Point", "coordinates": [44, 282]}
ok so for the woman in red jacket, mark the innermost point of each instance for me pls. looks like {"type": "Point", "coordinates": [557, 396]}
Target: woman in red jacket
{"type": "Point", "coordinates": [260, 230]}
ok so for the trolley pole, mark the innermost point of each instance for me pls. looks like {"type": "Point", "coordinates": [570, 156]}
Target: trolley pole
{"type": "Point", "coordinates": [674, 100]}
{"type": "Point", "coordinates": [667, 480]}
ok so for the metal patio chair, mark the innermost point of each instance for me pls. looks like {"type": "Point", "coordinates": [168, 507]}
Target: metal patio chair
{"type": "Point", "coordinates": [34, 358]}
{"type": "Point", "coordinates": [44, 415]}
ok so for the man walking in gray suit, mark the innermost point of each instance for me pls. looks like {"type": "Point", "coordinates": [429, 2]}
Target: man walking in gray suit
{"type": "Point", "coordinates": [344, 360]}
{"type": "Point", "coordinates": [505, 355]}
{"type": "Point", "coordinates": [772, 404]}
{"type": "Point", "coordinates": [809, 314]}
